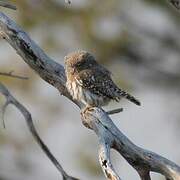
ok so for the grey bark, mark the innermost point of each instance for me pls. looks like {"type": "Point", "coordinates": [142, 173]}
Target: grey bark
{"type": "Point", "coordinates": [11, 100]}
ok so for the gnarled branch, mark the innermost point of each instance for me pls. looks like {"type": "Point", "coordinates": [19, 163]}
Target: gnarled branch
{"type": "Point", "coordinates": [96, 119]}
{"type": "Point", "coordinates": [11, 100]}
{"type": "Point", "coordinates": [110, 136]}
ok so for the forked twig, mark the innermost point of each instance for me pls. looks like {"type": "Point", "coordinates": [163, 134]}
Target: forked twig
{"type": "Point", "coordinates": [110, 137]}
{"type": "Point", "coordinates": [115, 111]}
{"type": "Point", "coordinates": [11, 100]}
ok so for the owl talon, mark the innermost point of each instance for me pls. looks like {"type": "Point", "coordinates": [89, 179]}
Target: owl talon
{"type": "Point", "coordinates": [87, 108]}
{"type": "Point", "coordinates": [85, 112]}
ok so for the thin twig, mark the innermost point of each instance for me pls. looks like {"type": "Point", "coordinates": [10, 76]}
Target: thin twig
{"type": "Point", "coordinates": [10, 74]}
{"type": "Point", "coordinates": [115, 111]}
{"type": "Point", "coordinates": [11, 100]}
{"type": "Point", "coordinates": [7, 5]}
{"type": "Point", "coordinates": [3, 109]}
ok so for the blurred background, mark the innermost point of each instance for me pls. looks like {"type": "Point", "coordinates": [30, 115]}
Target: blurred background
{"type": "Point", "coordinates": [139, 41]}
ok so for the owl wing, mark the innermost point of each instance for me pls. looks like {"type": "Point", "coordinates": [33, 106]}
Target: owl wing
{"type": "Point", "coordinates": [98, 82]}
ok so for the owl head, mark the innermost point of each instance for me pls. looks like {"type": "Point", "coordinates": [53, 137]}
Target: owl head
{"type": "Point", "coordinates": [79, 60]}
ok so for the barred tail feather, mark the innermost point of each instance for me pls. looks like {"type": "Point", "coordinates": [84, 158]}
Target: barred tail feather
{"type": "Point", "coordinates": [133, 99]}
{"type": "Point", "coordinates": [129, 97]}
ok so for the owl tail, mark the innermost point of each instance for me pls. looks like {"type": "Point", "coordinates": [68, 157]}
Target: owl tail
{"type": "Point", "coordinates": [129, 97]}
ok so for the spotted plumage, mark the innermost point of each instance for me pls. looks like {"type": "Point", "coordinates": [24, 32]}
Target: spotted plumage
{"type": "Point", "coordinates": [91, 83]}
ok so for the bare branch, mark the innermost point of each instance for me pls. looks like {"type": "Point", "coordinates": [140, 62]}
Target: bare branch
{"type": "Point", "coordinates": [3, 109]}
{"type": "Point", "coordinates": [10, 74]}
{"type": "Point", "coordinates": [11, 100]}
{"type": "Point", "coordinates": [27, 116]}
{"type": "Point", "coordinates": [105, 161]}
{"type": "Point", "coordinates": [142, 160]}
{"type": "Point", "coordinates": [115, 111]}
{"type": "Point", "coordinates": [7, 5]}
{"type": "Point", "coordinates": [34, 56]}
{"type": "Point", "coordinates": [96, 119]}
{"type": "Point", "coordinates": [144, 175]}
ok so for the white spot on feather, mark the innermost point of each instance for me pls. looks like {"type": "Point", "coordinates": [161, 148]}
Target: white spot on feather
{"type": "Point", "coordinates": [93, 78]}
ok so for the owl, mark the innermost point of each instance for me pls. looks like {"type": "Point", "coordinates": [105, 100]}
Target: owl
{"type": "Point", "coordinates": [91, 83]}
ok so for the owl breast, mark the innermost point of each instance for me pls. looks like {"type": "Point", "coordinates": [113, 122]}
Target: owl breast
{"type": "Point", "coordinates": [84, 95]}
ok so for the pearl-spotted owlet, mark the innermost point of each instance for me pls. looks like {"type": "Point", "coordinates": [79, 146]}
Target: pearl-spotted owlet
{"type": "Point", "coordinates": [91, 83]}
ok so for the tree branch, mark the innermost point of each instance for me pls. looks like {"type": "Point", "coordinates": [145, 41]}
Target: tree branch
{"type": "Point", "coordinates": [115, 111]}
{"type": "Point", "coordinates": [105, 161]}
{"type": "Point", "coordinates": [10, 74]}
{"type": "Point", "coordinates": [110, 136]}
{"type": "Point", "coordinates": [7, 5]}
{"type": "Point", "coordinates": [11, 100]}
{"type": "Point", "coordinates": [34, 56]}
{"type": "Point", "coordinates": [96, 119]}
